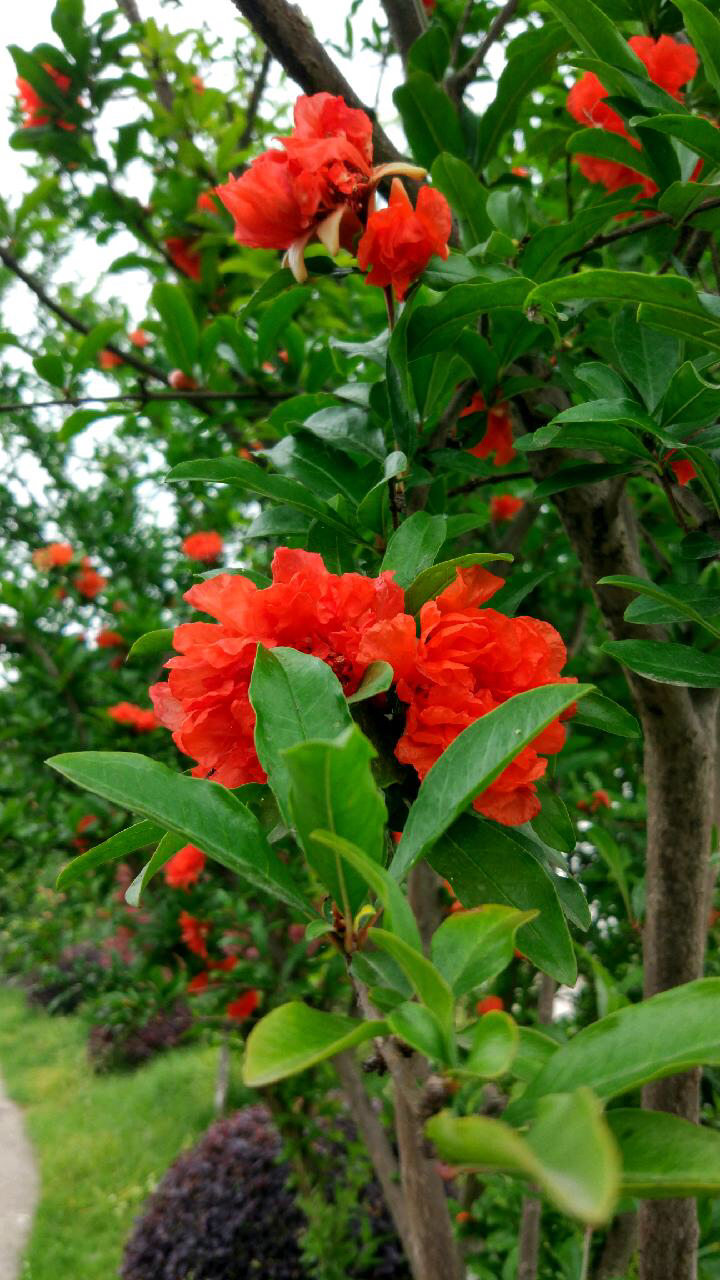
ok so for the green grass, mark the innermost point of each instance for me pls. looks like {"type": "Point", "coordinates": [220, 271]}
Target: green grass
{"type": "Point", "coordinates": [101, 1143]}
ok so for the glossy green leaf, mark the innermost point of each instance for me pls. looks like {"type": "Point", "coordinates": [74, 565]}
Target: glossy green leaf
{"type": "Point", "coordinates": [51, 369]}
{"type": "Point", "coordinates": [346, 427]}
{"type": "Point", "coordinates": [667, 663]}
{"type": "Point", "coordinates": [572, 476]}
{"type": "Point", "coordinates": [269, 289]}
{"type": "Point", "coordinates": [664, 595]}
{"type": "Point", "coordinates": [294, 1037]}
{"type": "Point", "coordinates": [707, 472]}
{"type": "Point", "coordinates": [693, 131]}
{"type": "Point", "coordinates": [553, 823]}
{"type": "Point", "coordinates": [399, 918]}
{"type": "Point", "coordinates": [251, 476]}
{"type": "Point", "coordinates": [644, 611]}
{"type": "Point", "coordinates": [673, 292]}
{"type": "Point", "coordinates": [534, 1049]}
{"type": "Point", "coordinates": [377, 678]}
{"type": "Point", "coordinates": [429, 118]}
{"type": "Point", "coordinates": [471, 947]}
{"type": "Point", "coordinates": [296, 698]}
{"type": "Point", "coordinates": [616, 860]}
{"type": "Point", "coordinates": [180, 329]}
{"type": "Point", "coordinates": [532, 60]}
{"type": "Point", "coordinates": [598, 712]}
{"type": "Point", "coordinates": [608, 146]}
{"type": "Point", "coordinates": [417, 1026]}
{"type": "Point", "coordinates": [153, 643]}
{"type": "Point", "coordinates": [205, 813]}
{"type": "Point", "coordinates": [414, 546]}
{"type": "Point", "coordinates": [595, 33]}
{"type": "Point", "coordinates": [484, 864]}
{"type": "Point", "coordinates": [435, 328]}
{"type": "Point", "coordinates": [665, 1156]}
{"type": "Point", "coordinates": [648, 360]}
{"type": "Point", "coordinates": [276, 319]}
{"type": "Point", "coordinates": [703, 29]}
{"type": "Point", "coordinates": [117, 846]}
{"type": "Point", "coordinates": [465, 194]}
{"type": "Point", "coordinates": [428, 584]}
{"type": "Point", "coordinates": [569, 1153]}
{"type": "Point", "coordinates": [428, 984]}
{"type": "Point", "coordinates": [494, 1043]}
{"type": "Point", "coordinates": [666, 1034]}
{"type": "Point", "coordinates": [475, 759]}
{"type": "Point", "coordinates": [167, 848]}
{"type": "Point", "coordinates": [94, 342]}
{"type": "Point", "coordinates": [430, 52]}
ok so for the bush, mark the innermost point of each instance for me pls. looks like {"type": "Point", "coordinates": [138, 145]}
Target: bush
{"type": "Point", "coordinates": [224, 1211]}
{"type": "Point", "coordinates": [63, 985]}
{"type": "Point", "coordinates": [114, 1046]}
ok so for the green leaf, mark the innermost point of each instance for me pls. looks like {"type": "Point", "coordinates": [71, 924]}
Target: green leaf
{"type": "Point", "coordinates": [418, 1027]}
{"type": "Point", "coordinates": [296, 698]}
{"type": "Point", "coordinates": [607, 439]}
{"type": "Point", "coordinates": [553, 824]}
{"type": "Point", "coordinates": [414, 546]}
{"type": "Point", "coordinates": [646, 359]}
{"type": "Point", "coordinates": [533, 1052]}
{"type": "Point", "coordinates": [205, 813]}
{"type": "Point", "coordinates": [475, 759]}
{"type": "Point", "coordinates": [270, 288]}
{"type": "Point", "coordinates": [153, 643]}
{"type": "Point", "coordinates": [508, 212]}
{"type": "Point", "coordinates": [400, 389]}
{"type": "Point", "coordinates": [599, 712]}
{"type": "Point", "coordinates": [436, 328]}
{"type": "Point", "coordinates": [377, 678]}
{"type": "Point", "coordinates": [533, 60]}
{"type": "Point", "coordinates": [608, 146]}
{"type": "Point", "coordinates": [509, 597]}
{"type": "Point", "coordinates": [663, 1155]}
{"type": "Point", "coordinates": [484, 864]}
{"type": "Point", "coordinates": [690, 399]}
{"type": "Point", "coordinates": [399, 918]}
{"type": "Point", "coordinates": [665, 595]}
{"type": "Point", "coordinates": [167, 848]}
{"type": "Point", "coordinates": [704, 599]}
{"type": "Point", "coordinates": [494, 1043]}
{"type": "Point", "coordinates": [693, 131]}
{"type": "Point", "coordinates": [667, 663]}
{"type": "Point", "coordinates": [437, 577]}
{"type": "Point", "coordinates": [295, 1037]}
{"type": "Point", "coordinates": [616, 860]}
{"type": "Point", "coordinates": [703, 29]}
{"type": "Point", "coordinates": [471, 947]}
{"type": "Point", "coordinates": [118, 846]}
{"type": "Point", "coordinates": [465, 193]}
{"type": "Point", "coordinates": [277, 318]}
{"type": "Point", "coordinates": [429, 118]}
{"type": "Point", "coordinates": [707, 471]}
{"type": "Point", "coordinates": [347, 428]}
{"type": "Point", "coordinates": [51, 369]}
{"type": "Point", "coordinates": [673, 292]}
{"type": "Point", "coordinates": [429, 986]}
{"type": "Point", "coordinates": [180, 333]}
{"type": "Point", "coordinates": [430, 52]}
{"type": "Point", "coordinates": [569, 1153]}
{"type": "Point", "coordinates": [572, 476]}
{"type": "Point", "coordinates": [332, 788]}
{"type": "Point", "coordinates": [696, 326]}
{"type": "Point", "coordinates": [93, 343]}
{"type": "Point", "coordinates": [249, 475]}
{"type": "Point", "coordinates": [666, 1034]}
{"type": "Point", "coordinates": [595, 33]}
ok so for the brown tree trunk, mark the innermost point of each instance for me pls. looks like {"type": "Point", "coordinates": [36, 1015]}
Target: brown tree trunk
{"type": "Point", "coordinates": [406, 20]}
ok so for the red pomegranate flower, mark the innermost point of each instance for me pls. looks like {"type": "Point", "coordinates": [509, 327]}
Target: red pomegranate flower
{"type": "Point", "coordinates": [205, 546]}
{"type": "Point", "coordinates": [244, 1005]}
{"type": "Point", "coordinates": [110, 639]}
{"type": "Point", "coordinates": [109, 360]}
{"type": "Point", "coordinates": [184, 255]}
{"type": "Point", "coordinates": [205, 701]}
{"type": "Point", "coordinates": [670, 65]}
{"type": "Point", "coordinates": [194, 933]}
{"type": "Point", "coordinates": [498, 437]}
{"type": "Point", "coordinates": [53, 556]}
{"type": "Point", "coordinates": [136, 717]}
{"type": "Point", "coordinates": [88, 581]}
{"type": "Point", "coordinates": [682, 468]}
{"type": "Point", "coordinates": [205, 203]}
{"type": "Point", "coordinates": [185, 867]}
{"type": "Point", "coordinates": [504, 506]}
{"type": "Point", "coordinates": [139, 337]}
{"type": "Point", "coordinates": [320, 184]}
{"type": "Point", "coordinates": [197, 984]}
{"type": "Point", "coordinates": [490, 1004]}
{"type": "Point", "coordinates": [399, 241]}
{"type": "Point", "coordinates": [35, 111]}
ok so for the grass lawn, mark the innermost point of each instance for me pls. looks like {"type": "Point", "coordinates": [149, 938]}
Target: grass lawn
{"type": "Point", "coordinates": [101, 1143]}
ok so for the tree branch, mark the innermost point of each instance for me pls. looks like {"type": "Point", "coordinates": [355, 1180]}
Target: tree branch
{"type": "Point", "coordinates": [290, 39]}
{"type": "Point", "coordinates": [458, 81]}
{"type": "Point", "coordinates": [253, 105]}
{"type": "Point", "coordinates": [406, 20]}
{"type": "Point", "coordinates": [644, 224]}
{"type": "Point", "coordinates": [144, 397]}
{"type": "Point", "coordinates": [375, 1138]}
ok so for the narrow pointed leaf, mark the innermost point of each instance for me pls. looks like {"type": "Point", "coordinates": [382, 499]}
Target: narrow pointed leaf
{"type": "Point", "coordinates": [118, 846]}
{"type": "Point", "coordinates": [663, 1155]}
{"type": "Point", "coordinates": [168, 846]}
{"type": "Point", "coordinates": [399, 918]}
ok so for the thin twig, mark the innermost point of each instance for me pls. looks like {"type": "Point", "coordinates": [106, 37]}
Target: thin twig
{"type": "Point", "coordinates": [407, 21]}
{"type": "Point", "coordinates": [644, 224]}
{"type": "Point", "coordinates": [139, 397]}
{"type": "Point", "coordinates": [457, 83]}
{"type": "Point", "coordinates": [460, 32]}
{"type": "Point", "coordinates": [253, 105]}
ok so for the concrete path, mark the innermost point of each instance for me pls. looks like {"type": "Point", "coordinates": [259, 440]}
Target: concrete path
{"type": "Point", "coordinates": [18, 1187]}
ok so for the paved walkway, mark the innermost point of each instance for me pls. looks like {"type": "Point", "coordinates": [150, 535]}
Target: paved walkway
{"type": "Point", "coordinates": [18, 1187]}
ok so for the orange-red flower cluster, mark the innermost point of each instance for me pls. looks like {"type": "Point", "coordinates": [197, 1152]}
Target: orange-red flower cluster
{"type": "Point", "coordinates": [399, 241]}
{"type": "Point", "coordinates": [320, 183]}
{"type": "Point", "coordinates": [53, 556]}
{"type": "Point", "coordinates": [498, 437]}
{"type": "Point", "coordinates": [136, 717]}
{"type": "Point", "coordinates": [504, 506]}
{"type": "Point", "coordinates": [194, 934]}
{"type": "Point", "coordinates": [185, 867]}
{"type": "Point", "coordinates": [110, 360]}
{"type": "Point", "coordinates": [466, 661]}
{"type": "Point", "coordinates": [139, 337]}
{"type": "Point", "coordinates": [205, 203]}
{"type": "Point", "coordinates": [205, 546]}
{"type": "Point", "coordinates": [88, 581]}
{"type": "Point", "coordinates": [682, 468]}
{"type": "Point", "coordinates": [35, 111]}
{"type": "Point", "coordinates": [108, 639]}
{"type": "Point", "coordinates": [490, 1004]}
{"type": "Point", "coordinates": [244, 1005]}
{"type": "Point", "coordinates": [670, 65]}
{"type": "Point", "coordinates": [184, 255]}
{"type": "Point", "coordinates": [598, 800]}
